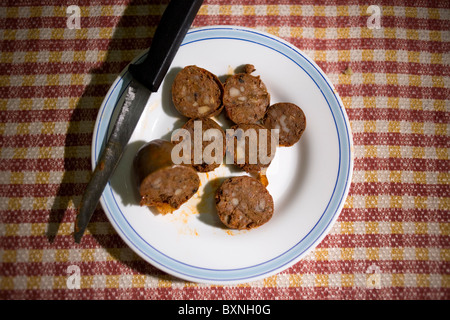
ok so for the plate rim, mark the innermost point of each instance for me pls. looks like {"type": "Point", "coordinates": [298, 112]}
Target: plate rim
{"type": "Point", "coordinates": [231, 275]}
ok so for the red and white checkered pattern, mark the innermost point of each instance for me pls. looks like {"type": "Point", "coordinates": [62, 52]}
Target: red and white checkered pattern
{"type": "Point", "coordinates": [394, 82]}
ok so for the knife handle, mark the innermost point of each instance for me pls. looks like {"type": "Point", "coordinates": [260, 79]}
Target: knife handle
{"type": "Point", "coordinates": [175, 22]}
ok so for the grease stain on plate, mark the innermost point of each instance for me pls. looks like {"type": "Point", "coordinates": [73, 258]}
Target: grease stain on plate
{"type": "Point", "coordinates": [201, 207]}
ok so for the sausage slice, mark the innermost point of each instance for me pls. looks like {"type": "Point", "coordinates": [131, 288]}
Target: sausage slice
{"type": "Point", "coordinates": [162, 183]}
{"type": "Point", "coordinates": [243, 203]}
{"type": "Point", "coordinates": [197, 93]}
{"type": "Point", "coordinates": [289, 119]}
{"type": "Point", "coordinates": [244, 145]}
{"type": "Point", "coordinates": [245, 98]}
{"type": "Point", "coordinates": [207, 139]}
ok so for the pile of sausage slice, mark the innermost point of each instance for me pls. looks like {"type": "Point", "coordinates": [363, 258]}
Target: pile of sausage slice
{"type": "Point", "coordinates": [256, 128]}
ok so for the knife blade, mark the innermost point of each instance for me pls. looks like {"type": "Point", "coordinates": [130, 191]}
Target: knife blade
{"type": "Point", "coordinates": [147, 77]}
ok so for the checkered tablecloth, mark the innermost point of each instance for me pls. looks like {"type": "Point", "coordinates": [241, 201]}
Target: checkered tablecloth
{"type": "Point", "coordinates": [390, 63]}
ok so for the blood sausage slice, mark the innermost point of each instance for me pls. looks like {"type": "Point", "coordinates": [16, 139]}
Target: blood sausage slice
{"type": "Point", "coordinates": [243, 203]}
{"type": "Point", "coordinates": [206, 137]}
{"type": "Point", "coordinates": [251, 146]}
{"type": "Point", "coordinates": [197, 93]}
{"type": "Point", "coordinates": [245, 98]}
{"type": "Point", "coordinates": [162, 183]}
{"type": "Point", "coordinates": [289, 119]}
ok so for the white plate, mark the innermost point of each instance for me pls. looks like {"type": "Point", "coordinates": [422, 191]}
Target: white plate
{"type": "Point", "coordinates": [309, 181]}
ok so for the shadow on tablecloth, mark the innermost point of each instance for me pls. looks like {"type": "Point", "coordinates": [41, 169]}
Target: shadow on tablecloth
{"type": "Point", "coordinates": [126, 39]}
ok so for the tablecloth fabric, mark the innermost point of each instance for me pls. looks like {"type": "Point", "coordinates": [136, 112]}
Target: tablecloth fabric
{"type": "Point", "coordinates": [393, 78]}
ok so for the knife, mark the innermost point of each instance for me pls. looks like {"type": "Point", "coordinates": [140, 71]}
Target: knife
{"type": "Point", "coordinates": [147, 77]}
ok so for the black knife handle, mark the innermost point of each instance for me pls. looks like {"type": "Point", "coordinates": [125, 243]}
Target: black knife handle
{"type": "Point", "coordinates": [175, 22]}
